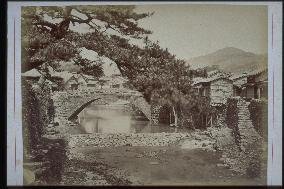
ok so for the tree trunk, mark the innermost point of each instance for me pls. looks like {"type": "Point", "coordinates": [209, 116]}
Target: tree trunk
{"type": "Point", "coordinates": [175, 117]}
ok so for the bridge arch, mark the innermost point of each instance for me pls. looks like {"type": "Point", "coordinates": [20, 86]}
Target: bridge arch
{"type": "Point", "coordinates": [69, 105]}
{"type": "Point", "coordinates": [77, 111]}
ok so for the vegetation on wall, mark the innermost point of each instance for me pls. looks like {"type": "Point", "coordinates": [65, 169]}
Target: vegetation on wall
{"type": "Point", "coordinates": [37, 112]}
{"type": "Point", "coordinates": [259, 116]}
{"type": "Point", "coordinates": [232, 117]}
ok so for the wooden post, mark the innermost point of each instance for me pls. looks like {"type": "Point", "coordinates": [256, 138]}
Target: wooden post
{"type": "Point", "coordinates": [175, 116]}
{"type": "Point", "coordinates": [258, 93]}
{"type": "Point", "coordinates": [170, 117]}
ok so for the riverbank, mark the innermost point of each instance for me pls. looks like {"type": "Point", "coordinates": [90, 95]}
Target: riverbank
{"type": "Point", "coordinates": [189, 161]}
{"type": "Point", "coordinates": [149, 156]}
{"type": "Point", "coordinates": [199, 157]}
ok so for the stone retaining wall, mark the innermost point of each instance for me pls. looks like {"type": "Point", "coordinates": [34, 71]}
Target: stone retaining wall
{"type": "Point", "coordinates": [247, 133]}
{"type": "Point", "coordinates": [155, 113]}
{"type": "Point", "coordinates": [243, 151]}
{"type": "Point", "coordinates": [124, 139]}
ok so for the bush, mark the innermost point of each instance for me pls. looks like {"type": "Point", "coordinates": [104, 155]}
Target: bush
{"type": "Point", "coordinates": [259, 116]}
{"type": "Point", "coordinates": [254, 157]}
{"type": "Point", "coordinates": [254, 169]}
{"type": "Point", "coordinates": [232, 113]}
{"type": "Point", "coordinates": [37, 111]}
{"type": "Point", "coordinates": [32, 125]}
{"type": "Point", "coordinates": [232, 117]}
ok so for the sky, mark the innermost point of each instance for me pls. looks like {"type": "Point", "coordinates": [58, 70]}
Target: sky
{"type": "Point", "coordinates": [193, 30]}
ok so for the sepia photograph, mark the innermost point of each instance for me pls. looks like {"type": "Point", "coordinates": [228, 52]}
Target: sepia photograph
{"type": "Point", "coordinates": [144, 94]}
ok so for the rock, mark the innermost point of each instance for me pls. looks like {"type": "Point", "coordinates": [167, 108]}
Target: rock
{"type": "Point", "coordinates": [220, 165]}
{"type": "Point", "coordinates": [154, 163]}
{"type": "Point", "coordinates": [29, 176]}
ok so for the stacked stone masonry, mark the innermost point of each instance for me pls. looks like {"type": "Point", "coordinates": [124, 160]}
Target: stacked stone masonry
{"type": "Point", "coordinates": [155, 112]}
{"type": "Point", "coordinates": [247, 133]}
{"type": "Point", "coordinates": [67, 102]}
{"type": "Point", "coordinates": [143, 106]}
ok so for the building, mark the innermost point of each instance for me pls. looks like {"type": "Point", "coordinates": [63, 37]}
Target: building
{"type": "Point", "coordinates": [252, 84]}
{"type": "Point", "coordinates": [105, 82]}
{"type": "Point", "coordinates": [257, 84]}
{"type": "Point", "coordinates": [238, 82]}
{"type": "Point", "coordinates": [86, 81]}
{"type": "Point", "coordinates": [32, 75]}
{"type": "Point", "coordinates": [218, 89]}
{"type": "Point", "coordinates": [71, 82]}
{"type": "Point", "coordinates": [65, 80]}
{"type": "Point", "coordinates": [118, 83]}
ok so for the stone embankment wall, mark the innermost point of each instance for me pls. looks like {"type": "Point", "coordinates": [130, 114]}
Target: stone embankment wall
{"type": "Point", "coordinates": [242, 146]}
{"type": "Point", "coordinates": [125, 139]}
{"type": "Point", "coordinates": [239, 119]}
{"type": "Point", "coordinates": [155, 113]}
{"type": "Point", "coordinates": [247, 133]}
{"type": "Point", "coordinates": [259, 116]}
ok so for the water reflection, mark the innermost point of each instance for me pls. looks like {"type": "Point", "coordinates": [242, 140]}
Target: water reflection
{"type": "Point", "coordinates": [117, 119]}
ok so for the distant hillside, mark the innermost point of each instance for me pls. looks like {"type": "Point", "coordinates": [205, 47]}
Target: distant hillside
{"type": "Point", "coordinates": [230, 59]}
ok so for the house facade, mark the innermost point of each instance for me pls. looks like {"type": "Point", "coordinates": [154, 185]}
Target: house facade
{"type": "Point", "coordinates": [71, 83]}
{"type": "Point", "coordinates": [251, 85]}
{"type": "Point", "coordinates": [86, 82]}
{"type": "Point", "coordinates": [257, 85]}
{"type": "Point", "coordinates": [118, 83]}
{"type": "Point", "coordinates": [218, 89]}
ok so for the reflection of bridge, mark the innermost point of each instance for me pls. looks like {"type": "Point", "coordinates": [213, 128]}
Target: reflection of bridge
{"type": "Point", "coordinates": [69, 104]}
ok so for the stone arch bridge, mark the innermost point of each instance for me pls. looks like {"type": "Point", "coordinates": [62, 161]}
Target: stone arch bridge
{"type": "Point", "coordinates": [68, 104]}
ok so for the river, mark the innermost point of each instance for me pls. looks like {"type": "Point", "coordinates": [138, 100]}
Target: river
{"type": "Point", "coordinates": [142, 165]}
{"type": "Point", "coordinates": [118, 118]}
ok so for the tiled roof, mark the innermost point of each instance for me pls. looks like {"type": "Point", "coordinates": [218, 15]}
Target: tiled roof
{"type": "Point", "coordinates": [32, 73]}
{"type": "Point", "coordinates": [65, 75]}
{"type": "Point", "coordinates": [257, 71]}
{"type": "Point", "coordinates": [209, 79]}
{"type": "Point", "coordinates": [92, 81]}
{"type": "Point", "coordinates": [246, 74]}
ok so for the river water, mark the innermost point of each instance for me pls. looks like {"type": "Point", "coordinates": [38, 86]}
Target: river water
{"type": "Point", "coordinates": [118, 118]}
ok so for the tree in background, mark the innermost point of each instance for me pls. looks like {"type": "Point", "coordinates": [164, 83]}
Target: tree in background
{"type": "Point", "coordinates": [155, 72]}
{"type": "Point", "coordinates": [88, 67]}
{"type": "Point", "coordinates": [45, 29]}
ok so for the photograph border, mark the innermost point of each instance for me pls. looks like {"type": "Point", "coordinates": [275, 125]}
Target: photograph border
{"type": "Point", "coordinates": [14, 102]}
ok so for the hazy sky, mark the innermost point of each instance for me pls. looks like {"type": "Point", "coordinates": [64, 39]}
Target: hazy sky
{"type": "Point", "coordinates": [194, 30]}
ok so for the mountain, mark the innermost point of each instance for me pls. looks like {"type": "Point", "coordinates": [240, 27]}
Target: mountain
{"type": "Point", "coordinates": [230, 59]}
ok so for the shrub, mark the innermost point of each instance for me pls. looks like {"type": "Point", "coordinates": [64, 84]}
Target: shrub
{"type": "Point", "coordinates": [259, 116]}
{"type": "Point", "coordinates": [232, 117]}
{"type": "Point", "coordinates": [254, 154]}
{"type": "Point", "coordinates": [232, 113]}
{"type": "Point", "coordinates": [37, 112]}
